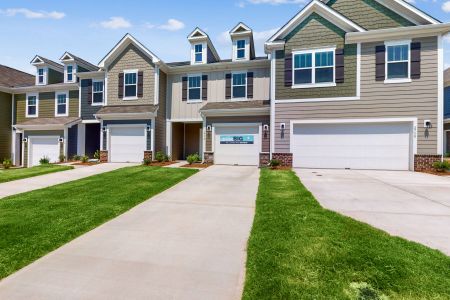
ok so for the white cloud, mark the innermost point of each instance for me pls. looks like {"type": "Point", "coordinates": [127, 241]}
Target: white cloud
{"type": "Point", "coordinates": [30, 14]}
{"type": "Point", "coordinates": [115, 23]}
{"type": "Point", "coordinates": [446, 6]}
{"type": "Point", "coordinates": [172, 25]}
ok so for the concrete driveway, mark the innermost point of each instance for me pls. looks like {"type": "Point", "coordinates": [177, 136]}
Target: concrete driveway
{"type": "Point", "coordinates": [188, 242]}
{"type": "Point", "coordinates": [415, 206]}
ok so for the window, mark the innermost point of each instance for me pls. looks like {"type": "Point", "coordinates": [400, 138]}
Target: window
{"type": "Point", "coordinates": [240, 48]}
{"type": "Point", "coordinates": [61, 104]}
{"type": "Point", "coordinates": [397, 61]}
{"type": "Point", "coordinates": [198, 53]}
{"type": "Point", "coordinates": [239, 86]}
{"type": "Point", "coordinates": [32, 104]}
{"type": "Point", "coordinates": [41, 76]}
{"type": "Point", "coordinates": [195, 88]}
{"type": "Point", "coordinates": [130, 85]}
{"type": "Point", "coordinates": [314, 68]}
{"type": "Point", "coordinates": [97, 92]}
{"type": "Point", "coordinates": [69, 73]}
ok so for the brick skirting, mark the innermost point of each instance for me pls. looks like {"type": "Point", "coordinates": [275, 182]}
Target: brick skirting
{"type": "Point", "coordinates": [284, 158]}
{"type": "Point", "coordinates": [148, 155]}
{"type": "Point", "coordinates": [425, 162]}
{"type": "Point", "coordinates": [209, 157]}
{"type": "Point", "coordinates": [104, 156]}
{"type": "Point", "coordinates": [264, 159]}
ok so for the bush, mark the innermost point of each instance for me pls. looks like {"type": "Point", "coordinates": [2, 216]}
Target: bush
{"type": "Point", "coordinates": [62, 158]}
{"type": "Point", "coordinates": [76, 157]}
{"type": "Point", "coordinates": [274, 163]}
{"type": "Point", "coordinates": [97, 154]}
{"type": "Point", "coordinates": [192, 158]}
{"type": "Point", "coordinates": [161, 157]}
{"type": "Point", "coordinates": [7, 163]}
{"type": "Point", "coordinates": [44, 161]}
{"type": "Point", "coordinates": [84, 159]}
{"type": "Point", "coordinates": [441, 166]}
{"type": "Point", "coordinates": [147, 162]}
{"type": "Point", "coordinates": [447, 155]}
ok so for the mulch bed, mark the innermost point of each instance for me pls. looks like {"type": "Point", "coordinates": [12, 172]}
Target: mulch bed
{"type": "Point", "coordinates": [86, 164]}
{"type": "Point", "coordinates": [197, 166]}
{"type": "Point", "coordinates": [444, 174]}
{"type": "Point", "coordinates": [161, 164]}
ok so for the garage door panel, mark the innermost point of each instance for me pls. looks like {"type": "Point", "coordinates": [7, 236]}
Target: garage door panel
{"type": "Point", "coordinates": [44, 147]}
{"type": "Point", "coordinates": [127, 144]}
{"type": "Point", "coordinates": [356, 146]}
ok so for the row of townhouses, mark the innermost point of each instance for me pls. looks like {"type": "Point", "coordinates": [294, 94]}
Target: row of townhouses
{"type": "Point", "coordinates": [345, 84]}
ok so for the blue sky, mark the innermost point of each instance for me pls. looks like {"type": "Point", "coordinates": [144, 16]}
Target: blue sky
{"type": "Point", "coordinates": [89, 29]}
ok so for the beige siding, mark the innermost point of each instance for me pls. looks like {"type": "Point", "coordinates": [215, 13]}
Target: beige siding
{"type": "Point", "coordinates": [378, 100]}
{"type": "Point", "coordinates": [46, 105]}
{"type": "Point", "coordinates": [178, 109]}
{"type": "Point", "coordinates": [5, 126]}
{"type": "Point", "coordinates": [130, 59]}
{"type": "Point", "coordinates": [160, 122]}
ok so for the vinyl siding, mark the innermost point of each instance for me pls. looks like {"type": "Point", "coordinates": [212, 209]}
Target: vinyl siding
{"type": "Point", "coordinates": [178, 109]}
{"type": "Point", "coordinates": [160, 121]}
{"type": "Point", "coordinates": [46, 105]}
{"type": "Point", "coordinates": [130, 59]}
{"type": "Point", "coordinates": [55, 76]}
{"type": "Point", "coordinates": [316, 32]}
{"type": "Point", "coordinates": [378, 100]}
{"type": "Point", "coordinates": [5, 125]}
{"type": "Point", "coordinates": [87, 109]}
{"type": "Point", "coordinates": [369, 14]}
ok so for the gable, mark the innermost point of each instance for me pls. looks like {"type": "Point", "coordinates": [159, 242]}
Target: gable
{"type": "Point", "coordinates": [198, 34]}
{"type": "Point", "coordinates": [131, 58]}
{"type": "Point", "coordinates": [369, 14]}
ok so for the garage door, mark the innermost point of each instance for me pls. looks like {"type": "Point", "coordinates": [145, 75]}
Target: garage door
{"type": "Point", "coordinates": [353, 146]}
{"type": "Point", "coordinates": [127, 144]}
{"type": "Point", "coordinates": [44, 147]}
{"type": "Point", "coordinates": [237, 145]}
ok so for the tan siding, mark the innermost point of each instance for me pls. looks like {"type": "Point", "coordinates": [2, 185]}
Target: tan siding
{"type": "Point", "coordinates": [130, 59]}
{"type": "Point", "coordinates": [179, 109]}
{"type": "Point", "coordinates": [5, 126]}
{"type": "Point", "coordinates": [378, 100]}
{"type": "Point", "coordinates": [160, 126]}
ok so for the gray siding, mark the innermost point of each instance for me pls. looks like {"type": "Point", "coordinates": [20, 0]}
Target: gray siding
{"type": "Point", "coordinates": [5, 126]}
{"type": "Point", "coordinates": [378, 100]}
{"type": "Point", "coordinates": [160, 121]}
{"type": "Point", "coordinates": [87, 109]}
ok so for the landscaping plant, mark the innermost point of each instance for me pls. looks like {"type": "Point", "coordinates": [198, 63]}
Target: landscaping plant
{"type": "Point", "coordinates": [7, 163]}
{"type": "Point", "coordinates": [441, 166]}
{"type": "Point", "coordinates": [84, 159]}
{"type": "Point", "coordinates": [274, 163]}
{"type": "Point", "coordinates": [76, 157]}
{"type": "Point", "coordinates": [44, 161]}
{"type": "Point", "coordinates": [62, 158]}
{"type": "Point", "coordinates": [97, 154]}
{"type": "Point", "coordinates": [161, 157]}
{"type": "Point", "coordinates": [193, 158]}
{"type": "Point", "coordinates": [147, 161]}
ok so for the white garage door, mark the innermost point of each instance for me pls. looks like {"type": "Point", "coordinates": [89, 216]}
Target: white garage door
{"type": "Point", "coordinates": [127, 144]}
{"type": "Point", "coordinates": [354, 146]}
{"type": "Point", "coordinates": [40, 147]}
{"type": "Point", "coordinates": [237, 145]}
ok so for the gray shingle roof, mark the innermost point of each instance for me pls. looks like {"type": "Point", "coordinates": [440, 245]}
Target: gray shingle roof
{"type": "Point", "coordinates": [10, 77]}
{"type": "Point", "coordinates": [236, 105]}
{"type": "Point", "coordinates": [127, 109]}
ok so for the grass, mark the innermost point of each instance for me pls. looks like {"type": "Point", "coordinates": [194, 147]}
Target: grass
{"type": "Point", "coordinates": [15, 174]}
{"type": "Point", "coordinates": [35, 223]}
{"type": "Point", "coordinates": [299, 250]}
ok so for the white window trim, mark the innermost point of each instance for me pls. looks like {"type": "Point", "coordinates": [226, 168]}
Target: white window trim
{"type": "Point", "coordinates": [313, 84]}
{"type": "Point", "coordinates": [137, 84]}
{"type": "Point", "coordinates": [246, 48]}
{"type": "Point", "coordinates": [232, 85]}
{"type": "Point", "coordinates": [66, 93]}
{"type": "Point", "coordinates": [66, 74]}
{"type": "Point", "coordinates": [37, 105]}
{"type": "Point", "coordinates": [204, 53]}
{"type": "Point", "coordinates": [45, 74]}
{"type": "Point", "coordinates": [201, 89]}
{"type": "Point", "coordinates": [397, 43]}
{"type": "Point", "coordinates": [103, 92]}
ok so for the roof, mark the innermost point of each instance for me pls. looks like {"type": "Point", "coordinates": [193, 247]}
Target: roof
{"type": "Point", "coordinates": [38, 60]}
{"type": "Point", "coordinates": [236, 105]}
{"type": "Point", "coordinates": [198, 34]}
{"type": "Point", "coordinates": [127, 109]}
{"type": "Point", "coordinates": [188, 63]}
{"type": "Point", "coordinates": [88, 65]}
{"type": "Point", "coordinates": [57, 121]}
{"type": "Point", "coordinates": [10, 77]}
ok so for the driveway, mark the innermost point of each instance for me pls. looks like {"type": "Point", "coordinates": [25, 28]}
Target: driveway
{"type": "Point", "coordinates": [415, 206]}
{"type": "Point", "coordinates": [39, 182]}
{"type": "Point", "coordinates": [188, 242]}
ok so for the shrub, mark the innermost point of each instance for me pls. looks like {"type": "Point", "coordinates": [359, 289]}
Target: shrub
{"type": "Point", "coordinates": [97, 154]}
{"type": "Point", "coordinates": [62, 158]}
{"type": "Point", "coordinates": [147, 161]}
{"type": "Point", "coordinates": [447, 154]}
{"type": "Point", "coordinates": [274, 163]}
{"type": "Point", "coordinates": [44, 161]}
{"type": "Point", "coordinates": [441, 166]}
{"type": "Point", "coordinates": [160, 156]}
{"type": "Point", "coordinates": [84, 159]}
{"type": "Point", "coordinates": [7, 163]}
{"type": "Point", "coordinates": [76, 157]}
{"type": "Point", "coordinates": [192, 158]}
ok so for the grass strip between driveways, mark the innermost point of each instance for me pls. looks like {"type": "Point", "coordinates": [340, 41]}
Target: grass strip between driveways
{"type": "Point", "coordinates": [299, 250]}
{"type": "Point", "coordinates": [35, 223]}
{"type": "Point", "coordinates": [15, 174]}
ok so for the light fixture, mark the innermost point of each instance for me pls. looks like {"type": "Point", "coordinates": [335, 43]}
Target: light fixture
{"type": "Point", "coordinates": [104, 128]}
{"type": "Point", "coordinates": [149, 128]}
{"type": "Point", "coordinates": [427, 124]}
{"type": "Point", "coordinates": [209, 128]}
{"type": "Point", "coordinates": [25, 140]}
{"type": "Point", "coordinates": [266, 127]}
{"type": "Point", "coordinates": [61, 140]}
{"type": "Point", "coordinates": [282, 126]}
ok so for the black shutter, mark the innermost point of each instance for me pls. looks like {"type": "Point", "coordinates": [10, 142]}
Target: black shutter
{"type": "Point", "coordinates": [140, 90]}
{"type": "Point", "coordinates": [89, 90]}
{"type": "Point", "coordinates": [288, 69]}
{"type": "Point", "coordinates": [415, 60]}
{"type": "Point", "coordinates": [205, 87]}
{"type": "Point", "coordinates": [228, 86]}
{"type": "Point", "coordinates": [184, 80]}
{"type": "Point", "coordinates": [380, 71]}
{"type": "Point", "coordinates": [250, 85]}
{"type": "Point", "coordinates": [120, 87]}
{"type": "Point", "coordinates": [339, 58]}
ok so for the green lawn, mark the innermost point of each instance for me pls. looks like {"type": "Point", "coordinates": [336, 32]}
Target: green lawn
{"type": "Point", "coordinates": [15, 174]}
{"type": "Point", "coordinates": [298, 250]}
{"type": "Point", "coordinates": [35, 223]}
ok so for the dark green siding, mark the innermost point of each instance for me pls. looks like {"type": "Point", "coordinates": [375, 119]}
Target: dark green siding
{"type": "Point", "coordinates": [5, 126]}
{"type": "Point", "coordinates": [55, 76]}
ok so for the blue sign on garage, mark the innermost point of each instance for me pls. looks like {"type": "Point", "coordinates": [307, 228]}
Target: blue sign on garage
{"type": "Point", "coordinates": [237, 139]}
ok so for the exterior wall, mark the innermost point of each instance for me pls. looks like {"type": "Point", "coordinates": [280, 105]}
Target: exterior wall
{"type": "Point", "coordinates": [265, 120]}
{"type": "Point", "coordinates": [369, 14]}
{"type": "Point", "coordinates": [160, 121]}
{"type": "Point", "coordinates": [5, 126]}
{"type": "Point", "coordinates": [46, 105]}
{"type": "Point", "coordinates": [447, 103]}
{"type": "Point", "coordinates": [131, 58]}
{"type": "Point", "coordinates": [178, 109]}
{"type": "Point", "coordinates": [317, 32]}
{"type": "Point", "coordinates": [55, 76]}
{"type": "Point", "coordinates": [378, 100]}
{"type": "Point", "coordinates": [72, 141]}
{"type": "Point", "coordinates": [87, 109]}
{"type": "Point", "coordinates": [32, 133]}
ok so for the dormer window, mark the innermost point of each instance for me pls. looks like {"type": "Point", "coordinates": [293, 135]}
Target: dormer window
{"type": "Point", "coordinates": [198, 53]}
{"type": "Point", "coordinates": [69, 73]}
{"type": "Point", "coordinates": [240, 49]}
{"type": "Point", "coordinates": [41, 76]}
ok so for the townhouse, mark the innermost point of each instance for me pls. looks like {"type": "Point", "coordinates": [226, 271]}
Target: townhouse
{"type": "Point", "coordinates": [447, 112]}
{"type": "Point", "coordinates": [345, 84]}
